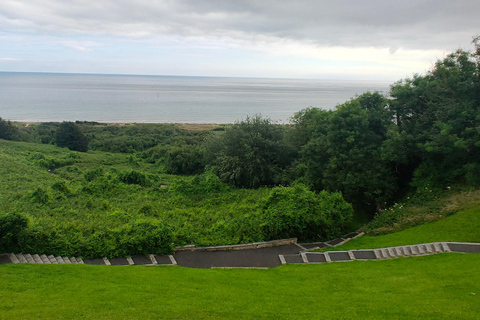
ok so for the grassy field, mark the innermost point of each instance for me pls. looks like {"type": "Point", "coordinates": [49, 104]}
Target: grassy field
{"type": "Point", "coordinates": [430, 287]}
{"type": "Point", "coordinates": [463, 226]}
{"type": "Point", "coordinates": [443, 286]}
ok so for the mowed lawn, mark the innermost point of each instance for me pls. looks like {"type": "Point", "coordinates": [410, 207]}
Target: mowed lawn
{"type": "Point", "coordinates": [445, 286]}
{"type": "Point", "coordinates": [463, 226]}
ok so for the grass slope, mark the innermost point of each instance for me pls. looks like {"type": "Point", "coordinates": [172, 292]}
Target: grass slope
{"type": "Point", "coordinates": [432, 287]}
{"type": "Point", "coordinates": [464, 226]}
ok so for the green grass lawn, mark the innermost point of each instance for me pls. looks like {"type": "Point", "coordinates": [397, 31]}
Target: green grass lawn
{"type": "Point", "coordinates": [445, 286]}
{"type": "Point", "coordinates": [463, 226]}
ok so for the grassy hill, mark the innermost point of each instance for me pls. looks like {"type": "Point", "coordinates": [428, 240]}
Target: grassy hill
{"type": "Point", "coordinates": [443, 286]}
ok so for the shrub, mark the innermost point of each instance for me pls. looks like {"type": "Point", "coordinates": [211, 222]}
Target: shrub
{"type": "Point", "coordinates": [12, 229]}
{"type": "Point", "coordinates": [184, 160]}
{"type": "Point", "coordinates": [298, 212]}
{"type": "Point", "coordinates": [69, 135]}
{"type": "Point", "coordinates": [133, 177]}
{"type": "Point", "coordinates": [7, 130]}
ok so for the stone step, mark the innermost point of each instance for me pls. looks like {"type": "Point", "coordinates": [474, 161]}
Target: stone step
{"type": "Point", "coordinates": [45, 259]}
{"type": "Point", "coordinates": [52, 259]}
{"type": "Point", "coordinates": [430, 248]}
{"type": "Point", "coordinates": [29, 258]}
{"type": "Point", "coordinates": [67, 260]}
{"type": "Point", "coordinates": [13, 258]}
{"type": "Point", "coordinates": [438, 248]}
{"type": "Point", "coordinates": [414, 250]}
{"type": "Point", "coordinates": [59, 260]}
{"type": "Point", "coordinates": [21, 258]}
{"type": "Point", "coordinates": [407, 251]}
{"type": "Point", "coordinates": [37, 258]}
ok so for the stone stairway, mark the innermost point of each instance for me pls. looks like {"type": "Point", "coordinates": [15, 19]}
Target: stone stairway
{"type": "Point", "coordinates": [50, 259]}
{"type": "Point", "coordinates": [42, 259]}
{"type": "Point", "coordinates": [382, 253]}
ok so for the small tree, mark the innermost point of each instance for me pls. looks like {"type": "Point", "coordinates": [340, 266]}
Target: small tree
{"type": "Point", "coordinates": [7, 129]}
{"type": "Point", "coordinates": [69, 135]}
{"type": "Point", "coordinates": [249, 154]}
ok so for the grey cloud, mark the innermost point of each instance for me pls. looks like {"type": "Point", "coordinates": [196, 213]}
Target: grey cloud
{"type": "Point", "coordinates": [419, 24]}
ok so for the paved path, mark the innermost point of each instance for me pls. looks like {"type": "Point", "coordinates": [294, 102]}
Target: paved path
{"type": "Point", "coordinates": [244, 256]}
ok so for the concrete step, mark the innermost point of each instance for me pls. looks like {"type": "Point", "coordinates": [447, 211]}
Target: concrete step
{"type": "Point", "coordinates": [438, 248]}
{"type": "Point", "coordinates": [37, 258]}
{"type": "Point", "coordinates": [21, 258]}
{"type": "Point", "coordinates": [407, 251]}
{"type": "Point", "coordinates": [29, 258]}
{"type": "Point", "coordinates": [430, 249]}
{"type": "Point", "coordinates": [13, 258]}
{"type": "Point", "coordinates": [414, 250]}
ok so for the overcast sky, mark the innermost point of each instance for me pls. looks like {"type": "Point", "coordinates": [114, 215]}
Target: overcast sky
{"type": "Point", "coordinates": [344, 39]}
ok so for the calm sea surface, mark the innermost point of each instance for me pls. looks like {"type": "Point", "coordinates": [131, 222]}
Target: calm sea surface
{"type": "Point", "coordinates": [165, 99]}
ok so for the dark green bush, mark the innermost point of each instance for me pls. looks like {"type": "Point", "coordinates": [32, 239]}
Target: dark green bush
{"type": "Point", "coordinates": [184, 160]}
{"type": "Point", "coordinates": [12, 230]}
{"type": "Point", "coordinates": [39, 196]}
{"type": "Point", "coordinates": [133, 177]}
{"type": "Point", "coordinates": [71, 136]}
{"type": "Point", "coordinates": [200, 184]}
{"type": "Point", "coordinates": [298, 212]}
{"type": "Point", "coordinates": [7, 130]}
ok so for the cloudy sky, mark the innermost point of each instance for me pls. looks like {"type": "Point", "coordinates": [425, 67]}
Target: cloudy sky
{"type": "Point", "coordinates": [344, 39]}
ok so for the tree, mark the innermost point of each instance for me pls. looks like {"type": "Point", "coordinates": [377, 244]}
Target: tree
{"type": "Point", "coordinates": [350, 153]}
{"type": "Point", "coordinates": [438, 114]}
{"type": "Point", "coordinates": [7, 129]}
{"type": "Point", "coordinates": [250, 154]}
{"type": "Point", "coordinates": [69, 135]}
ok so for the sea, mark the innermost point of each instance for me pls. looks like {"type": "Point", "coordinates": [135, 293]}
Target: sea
{"type": "Point", "coordinates": [44, 97]}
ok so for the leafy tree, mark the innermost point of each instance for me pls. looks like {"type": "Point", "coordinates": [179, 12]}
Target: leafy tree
{"type": "Point", "coordinates": [250, 154]}
{"type": "Point", "coordinates": [438, 115]}
{"type": "Point", "coordinates": [350, 153]}
{"type": "Point", "coordinates": [70, 135]}
{"type": "Point", "coordinates": [12, 229]}
{"type": "Point", "coordinates": [7, 129]}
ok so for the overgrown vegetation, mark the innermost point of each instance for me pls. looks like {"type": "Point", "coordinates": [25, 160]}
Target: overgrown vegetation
{"type": "Point", "coordinates": [250, 181]}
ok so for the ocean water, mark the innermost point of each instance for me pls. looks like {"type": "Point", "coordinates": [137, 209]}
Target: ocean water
{"type": "Point", "coordinates": [41, 97]}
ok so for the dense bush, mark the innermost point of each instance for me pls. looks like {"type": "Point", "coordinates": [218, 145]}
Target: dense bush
{"type": "Point", "coordinates": [12, 231]}
{"type": "Point", "coordinates": [298, 212]}
{"type": "Point", "coordinates": [184, 160]}
{"type": "Point", "coordinates": [7, 129]}
{"type": "Point", "coordinates": [250, 154]}
{"type": "Point", "coordinates": [70, 135]}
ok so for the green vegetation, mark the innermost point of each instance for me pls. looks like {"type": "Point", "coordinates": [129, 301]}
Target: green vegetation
{"type": "Point", "coordinates": [430, 287]}
{"type": "Point", "coordinates": [103, 204]}
{"type": "Point", "coordinates": [149, 187]}
{"type": "Point", "coordinates": [70, 136]}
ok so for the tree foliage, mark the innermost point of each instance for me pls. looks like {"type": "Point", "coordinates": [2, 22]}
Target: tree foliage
{"type": "Point", "coordinates": [7, 129]}
{"type": "Point", "coordinates": [250, 154]}
{"type": "Point", "coordinates": [70, 135]}
{"type": "Point", "coordinates": [298, 212]}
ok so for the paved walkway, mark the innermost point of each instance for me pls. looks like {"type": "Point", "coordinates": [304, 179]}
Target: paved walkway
{"type": "Point", "coordinates": [259, 255]}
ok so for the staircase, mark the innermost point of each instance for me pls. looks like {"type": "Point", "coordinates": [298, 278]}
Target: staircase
{"type": "Point", "coordinates": [42, 259]}
{"type": "Point", "coordinates": [382, 253]}
{"type": "Point", "coordinates": [50, 259]}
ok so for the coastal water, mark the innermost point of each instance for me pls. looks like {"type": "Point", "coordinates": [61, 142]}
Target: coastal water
{"type": "Point", "coordinates": [33, 97]}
